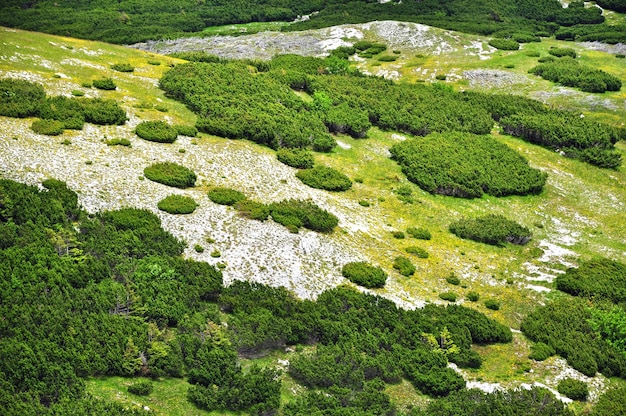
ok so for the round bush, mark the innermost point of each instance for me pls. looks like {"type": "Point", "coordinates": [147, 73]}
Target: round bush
{"type": "Point", "coordinates": [449, 296]}
{"type": "Point", "coordinates": [491, 229]}
{"type": "Point", "coordinates": [473, 296]}
{"type": "Point", "coordinates": [404, 266]}
{"type": "Point", "coordinates": [504, 44]}
{"type": "Point", "coordinates": [170, 174]}
{"type": "Point", "coordinates": [296, 158]}
{"type": "Point", "coordinates": [156, 131]}
{"type": "Point", "coordinates": [453, 279]}
{"type": "Point", "coordinates": [177, 204]}
{"type": "Point", "coordinates": [323, 177]}
{"type": "Point", "coordinates": [419, 233]}
{"type": "Point", "coordinates": [364, 274]}
{"type": "Point", "coordinates": [418, 251]}
{"type": "Point", "coordinates": [122, 67]}
{"type": "Point", "coordinates": [48, 127]}
{"type": "Point", "coordinates": [103, 112]}
{"type": "Point", "coordinates": [225, 196]}
{"type": "Point", "coordinates": [574, 389]}
{"type": "Point", "coordinates": [141, 388]}
{"type": "Point", "coordinates": [492, 304]}
{"type": "Point", "coordinates": [398, 234]}
{"type": "Point", "coordinates": [104, 84]}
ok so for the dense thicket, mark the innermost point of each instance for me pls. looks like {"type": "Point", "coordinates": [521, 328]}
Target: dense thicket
{"type": "Point", "coordinates": [466, 166]}
{"type": "Point", "coordinates": [568, 72]}
{"type": "Point", "coordinates": [575, 136]}
{"type": "Point", "coordinates": [585, 33]}
{"type": "Point", "coordinates": [21, 99]}
{"type": "Point", "coordinates": [599, 278]}
{"type": "Point", "coordinates": [567, 326]}
{"type": "Point", "coordinates": [491, 229]}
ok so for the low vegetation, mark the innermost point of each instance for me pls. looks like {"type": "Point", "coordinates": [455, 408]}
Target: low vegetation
{"type": "Point", "coordinates": [170, 174]}
{"type": "Point", "coordinates": [48, 127]}
{"type": "Point", "coordinates": [156, 131]}
{"type": "Point", "coordinates": [324, 177]}
{"type": "Point", "coordinates": [296, 158]}
{"type": "Point", "coordinates": [364, 274]}
{"type": "Point", "coordinates": [295, 214]}
{"type": "Point", "coordinates": [177, 204]}
{"type": "Point", "coordinates": [570, 73]}
{"type": "Point", "coordinates": [404, 266]}
{"type": "Point", "coordinates": [106, 84]}
{"type": "Point", "coordinates": [504, 44]}
{"type": "Point", "coordinates": [122, 67]}
{"type": "Point", "coordinates": [491, 229]}
{"type": "Point", "coordinates": [225, 196]}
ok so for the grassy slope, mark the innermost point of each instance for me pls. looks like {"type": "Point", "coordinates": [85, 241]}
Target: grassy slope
{"type": "Point", "coordinates": [580, 210]}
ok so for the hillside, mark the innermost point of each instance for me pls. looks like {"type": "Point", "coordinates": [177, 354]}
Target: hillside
{"type": "Point", "coordinates": [577, 216]}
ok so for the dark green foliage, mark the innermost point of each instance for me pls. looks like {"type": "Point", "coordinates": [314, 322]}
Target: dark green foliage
{"type": "Point", "coordinates": [296, 158]}
{"type": "Point", "coordinates": [504, 44]}
{"type": "Point", "coordinates": [294, 214]}
{"type": "Point", "coordinates": [561, 52]}
{"type": "Point", "coordinates": [615, 5]}
{"type": "Point", "coordinates": [404, 266]}
{"type": "Point", "coordinates": [253, 210]}
{"type": "Point", "coordinates": [184, 130]}
{"type": "Point", "coordinates": [419, 233]}
{"type": "Point", "coordinates": [566, 325]}
{"type": "Point", "coordinates": [449, 296]}
{"type": "Point", "coordinates": [545, 59]}
{"type": "Point", "coordinates": [466, 166]}
{"type": "Point", "coordinates": [612, 402]}
{"type": "Point", "coordinates": [570, 73]}
{"type": "Point", "coordinates": [48, 127]}
{"type": "Point", "coordinates": [104, 84]}
{"type": "Point", "coordinates": [574, 389]}
{"type": "Point", "coordinates": [103, 112]}
{"type": "Point", "coordinates": [170, 174]}
{"type": "Point", "coordinates": [156, 131]}
{"type": "Point", "coordinates": [66, 110]}
{"type": "Point", "coordinates": [540, 351]}
{"type": "Point", "coordinates": [387, 58]}
{"type": "Point", "coordinates": [177, 204]}
{"type": "Point", "coordinates": [571, 134]}
{"type": "Point", "coordinates": [323, 177]}
{"type": "Point", "coordinates": [526, 38]}
{"type": "Point", "coordinates": [141, 388]}
{"type": "Point", "coordinates": [122, 67]}
{"type": "Point", "coordinates": [20, 98]}
{"type": "Point", "coordinates": [225, 196]}
{"type": "Point", "coordinates": [118, 142]}
{"type": "Point", "coordinates": [518, 402]}
{"type": "Point", "coordinates": [473, 296]}
{"type": "Point", "coordinates": [492, 304]}
{"type": "Point", "coordinates": [576, 13]}
{"type": "Point", "coordinates": [600, 278]}
{"type": "Point", "coordinates": [417, 251]}
{"type": "Point", "coordinates": [491, 229]}
{"type": "Point", "coordinates": [398, 234]}
{"type": "Point", "coordinates": [364, 274]}
{"type": "Point", "coordinates": [453, 279]}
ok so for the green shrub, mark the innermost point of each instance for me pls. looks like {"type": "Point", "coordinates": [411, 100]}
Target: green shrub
{"type": "Point", "coordinates": [198, 248]}
{"type": "Point", "coordinates": [20, 98]}
{"type": "Point", "coordinates": [216, 254]}
{"type": "Point", "coordinates": [69, 111]}
{"type": "Point", "coordinates": [545, 59]}
{"type": "Point", "coordinates": [561, 52]}
{"type": "Point", "coordinates": [526, 38]}
{"type": "Point", "coordinates": [103, 112]}
{"type": "Point", "coordinates": [598, 278]}
{"type": "Point", "coordinates": [466, 166]}
{"type": "Point", "coordinates": [418, 251]}
{"type": "Point", "coordinates": [48, 127]}
{"type": "Point", "coordinates": [364, 274]}
{"type": "Point", "coordinates": [253, 210]}
{"type": "Point", "coordinates": [104, 84]}
{"type": "Point", "coordinates": [449, 296]}
{"type": "Point", "coordinates": [398, 234]}
{"type": "Point", "coordinates": [154, 62]}
{"type": "Point", "coordinates": [504, 44]}
{"type": "Point", "coordinates": [324, 144]}
{"type": "Point", "coordinates": [156, 131]}
{"type": "Point", "coordinates": [419, 233]}
{"type": "Point", "coordinates": [323, 177]}
{"type": "Point", "coordinates": [387, 58]}
{"type": "Point", "coordinates": [118, 142]}
{"type": "Point", "coordinates": [541, 352]}
{"type": "Point", "coordinates": [620, 56]}
{"type": "Point", "coordinates": [453, 279]}
{"type": "Point", "coordinates": [225, 196]}
{"type": "Point", "coordinates": [294, 214]}
{"type": "Point", "coordinates": [404, 266]}
{"type": "Point", "coordinates": [122, 67]}
{"type": "Point", "coordinates": [570, 73]}
{"type": "Point", "coordinates": [170, 174]}
{"type": "Point", "coordinates": [492, 304]}
{"type": "Point", "coordinates": [141, 388]}
{"type": "Point", "coordinates": [491, 229]}
{"type": "Point", "coordinates": [573, 389]}
{"type": "Point", "coordinates": [533, 54]}
{"type": "Point", "coordinates": [78, 93]}
{"type": "Point", "coordinates": [364, 203]}
{"type": "Point", "coordinates": [441, 77]}
{"type": "Point", "coordinates": [184, 130]}
{"type": "Point", "coordinates": [473, 296]}
{"type": "Point", "coordinates": [296, 158]}
{"type": "Point", "coordinates": [177, 204]}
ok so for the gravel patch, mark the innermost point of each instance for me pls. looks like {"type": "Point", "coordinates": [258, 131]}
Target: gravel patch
{"type": "Point", "coordinates": [494, 78]}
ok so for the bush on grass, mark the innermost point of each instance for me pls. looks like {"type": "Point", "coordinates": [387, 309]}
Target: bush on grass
{"type": "Point", "coordinates": [170, 174]}
{"type": "Point", "coordinates": [225, 196]}
{"type": "Point", "coordinates": [177, 204]}
{"type": "Point", "coordinates": [364, 274]}
{"type": "Point", "coordinates": [48, 127]}
{"type": "Point", "coordinates": [156, 131]}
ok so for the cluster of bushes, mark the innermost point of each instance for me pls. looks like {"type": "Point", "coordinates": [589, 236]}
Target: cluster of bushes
{"type": "Point", "coordinates": [574, 136]}
{"type": "Point", "coordinates": [295, 214]}
{"type": "Point", "coordinates": [417, 251]}
{"type": "Point", "coordinates": [577, 14]}
{"type": "Point", "coordinates": [106, 84]}
{"type": "Point", "coordinates": [324, 177]}
{"type": "Point", "coordinates": [419, 233]}
{"type": "Point", "coordinates": [177, 204]}
{"type": "Point", "coordinates": [404, 266]}
{"type": "Point", "coordinates": [364, 274]}
{"type": "Point", "coordinates": [20, 98]}
{"type": "Point", "coordinates": [170, 174]}
{"type": "Point", "coordinates": [561, 52]}
{"type": "Point", "coordinates": [466, 166]}
{"type": "Point", "coordinates": [573, 388]}
{"type": "Point", "coordinates": [156, 131]}
{"type": "Point", "coordinates": [368, 49]}
{"type": "Point", "coordinates": [568, 72]}
{"type": "Point", "coordinates": [122, 67]}
{"type": "Point", "coordinates": [184, 130]}
{"type": "Point", "coordinates": [504, 44]}
{"type": "Point", "coordinates": [296, 158]}
{"type": "Point", "coordinates": [599, 278]}
{"type": "Point", "coordinates": [491, 229]}
{"type": "Point", "coordinates": [612, 34]}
